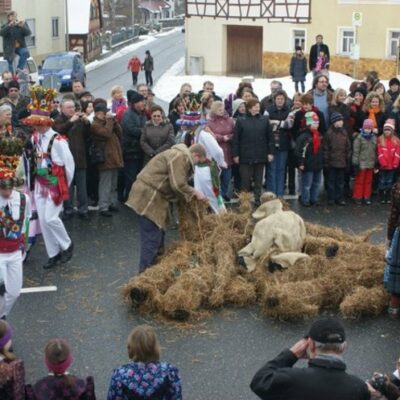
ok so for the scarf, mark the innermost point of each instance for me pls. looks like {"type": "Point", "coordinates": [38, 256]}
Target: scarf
{"type": "Point", "coordinates": [316, 140]}
{"type": "Point", "coordinates": [372, 115]}
{"type": "Point", "coordinates": [366, 135]}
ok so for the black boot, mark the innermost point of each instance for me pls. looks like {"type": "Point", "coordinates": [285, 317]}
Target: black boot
{"type": "Point", "coordinates": [387, 196]}
{"type": "Point", "coordinates": [52, 261]}
{"type": "Point", "coordinates": [66, 255]}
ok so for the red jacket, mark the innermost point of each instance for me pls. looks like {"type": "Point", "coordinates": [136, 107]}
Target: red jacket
{"type": "Point", "coordinates": [388, 153]}
{"type": "Point", "coordinates": [134, 64]}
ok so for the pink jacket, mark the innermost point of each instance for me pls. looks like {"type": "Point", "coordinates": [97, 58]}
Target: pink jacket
{"type": "Point", "coordinates": [222, 128]}
{"type": "Point", "coordinates": [388, 153]}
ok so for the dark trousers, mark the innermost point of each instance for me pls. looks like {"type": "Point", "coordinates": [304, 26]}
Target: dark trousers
{"type": "Point", "coordinates": [92, 183]}
{"type": "Point", "coordinates": [149, 77]}
{"type": "Point", "coordinates": [131, 171]}
{"type": "Point", "coordinates": [386, 177]}
{"type": "Point", "coordinates": [134, 78]}
{"type": "Point", "coordinates": [151, 241]}
{"type": "Point", "coordinates": [296, 86]}
{"type": "Point", "coordinates": [225, 177]}
{"type": "Point", "coordinates": [291, 172]}
{"type": "Point", "coordinates": [236, 177]}
{"type": "Point", "coordinates": [81, 193]}
{"type": "Point", "coordinates": [336, 184]}
{"type": "Point", "coordinates": [252, 173]}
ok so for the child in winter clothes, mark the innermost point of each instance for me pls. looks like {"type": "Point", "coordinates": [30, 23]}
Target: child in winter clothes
{"type": "Point", "coordinates": [337, 153]}
{"type": "Point", "coordinates": [388, 159]}
{"type": "Point", "coordinates": [322, 63]}
{"type": "Point", "coordinates": [298, 69]}
{"type": "Point", "coordinates": [118, 100]}
{"type": "Point", "coordinates": [309, 157]}
{"type": "Point", "coordinates": [364, 160]}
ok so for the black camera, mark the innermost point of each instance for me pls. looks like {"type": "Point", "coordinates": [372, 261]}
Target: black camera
{"type": "Point", "coordinates": [378, 382]}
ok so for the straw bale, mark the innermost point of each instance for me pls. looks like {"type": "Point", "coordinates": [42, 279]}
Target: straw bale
{"type": "Point", "coordinates": [240, 292]}
{"type": "Point", "coordinates": [364, 302]}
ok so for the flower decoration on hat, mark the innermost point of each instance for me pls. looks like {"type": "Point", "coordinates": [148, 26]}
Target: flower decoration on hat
{"type": "Point", "coordinates": [191, 115]}
{"type": "Point", "coordinates": [11, 149]}
{"type": "Point", "coordinates": [40, 106]}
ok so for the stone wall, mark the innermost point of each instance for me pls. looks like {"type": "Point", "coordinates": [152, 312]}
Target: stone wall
{"type": "Point", "coordinates": [277, 65]}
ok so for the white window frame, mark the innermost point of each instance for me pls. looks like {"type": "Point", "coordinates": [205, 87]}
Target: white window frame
{"type": "Point", "coordinates": [292, 39]}
{"type": "Point", "coordinates": [388, 42]}
{"type": "Point", "coordinates": [53, 20]}
{"type": "Point", "coordinates": [32, 27]}
{"type": "Point", "coordinates": [340, 31]}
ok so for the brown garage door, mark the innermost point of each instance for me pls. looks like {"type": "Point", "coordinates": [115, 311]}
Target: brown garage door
{"type": "Point", "coordinates": [244, 49]}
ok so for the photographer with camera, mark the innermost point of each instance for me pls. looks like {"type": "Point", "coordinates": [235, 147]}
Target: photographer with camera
{"type": "Point", "coordinates": [325, 378]}
{"type": "Point", "coordinates": [74, 124]}
{"type": "Point", "coordinates": [14, 33]}
{"type": "Point", "coordinates": [381, 388]}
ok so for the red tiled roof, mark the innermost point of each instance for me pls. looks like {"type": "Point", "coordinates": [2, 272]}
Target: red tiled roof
{"type": "Point", "coordinates": [154, 6]}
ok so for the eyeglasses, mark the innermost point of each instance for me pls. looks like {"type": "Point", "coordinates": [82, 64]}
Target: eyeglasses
{"type": "Point", "coordinates": [157, 116]}
{"type": "Point", "coordinates": [326, 82]}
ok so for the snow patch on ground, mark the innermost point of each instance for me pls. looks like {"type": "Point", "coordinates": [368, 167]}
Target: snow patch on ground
{"type": "Point", "coordinates": [143, 40]}
{"type": "Point", "coordinates": [169, 84]}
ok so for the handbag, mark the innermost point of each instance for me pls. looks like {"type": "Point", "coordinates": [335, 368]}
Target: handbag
{"type": "Point", "coordinates": [96, 154]}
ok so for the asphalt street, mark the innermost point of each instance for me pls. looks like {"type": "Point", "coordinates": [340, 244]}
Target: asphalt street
{"type": "Point", "coordinates": [218, 356]}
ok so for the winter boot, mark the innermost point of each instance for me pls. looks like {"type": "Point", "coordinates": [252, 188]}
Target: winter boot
{"type": "Point", "coordinates": [387, 196]}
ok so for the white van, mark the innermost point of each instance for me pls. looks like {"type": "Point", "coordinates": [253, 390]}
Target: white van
{"type": "Point", "coordinates": [31, 65]}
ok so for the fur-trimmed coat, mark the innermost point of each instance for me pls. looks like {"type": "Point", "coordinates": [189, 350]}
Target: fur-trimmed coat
{"type": "Point", "coordinates": [163, 179]}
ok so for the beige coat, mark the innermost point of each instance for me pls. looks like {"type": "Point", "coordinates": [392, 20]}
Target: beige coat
{"type": "Point", "coordinates": [163, 179]}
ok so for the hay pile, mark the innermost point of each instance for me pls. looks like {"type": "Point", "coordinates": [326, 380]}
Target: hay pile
{"type": "Point", "coordinates": [201, 272]}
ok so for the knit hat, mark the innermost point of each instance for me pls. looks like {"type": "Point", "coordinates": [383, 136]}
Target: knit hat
{"type": "Point", "coordinates": [336, 116]}
{"type": "Point", "coordinates": [327, 330]}
{"type": "Point", "coordinates": [389, 124]}
{"type": "Point", "coordinates": [40, 106]}
{"type": "Point", "coordinates": [13, 84]}
{"type": "Point", "coordinates": [134, 97]}
{"type": "Point", "coordinates": [394, 81]}
{"type": "Point", "coordinates": [311, 118]}
{"type": "Point", "coordinates": [368, 124]}
{"type": "Point", "coordinates": [236, 104]}
{"type": "Point", "coordinates": [101, 107]}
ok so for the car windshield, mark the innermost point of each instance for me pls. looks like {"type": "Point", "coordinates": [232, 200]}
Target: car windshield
{"type": "Point", "coordinates": [58, 63]}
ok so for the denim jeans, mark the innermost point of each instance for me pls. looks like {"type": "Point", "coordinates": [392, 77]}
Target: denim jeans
{"type": "Point", "coordinates": [386, 177]}
{"type": "Point", "coordinates": [336, 184]}
{"type": "Point", "coordinates": [225, 177]}
{"type": "Point", "coordinates": [81, 193]}
{"type": "Point", "coordinates": [310, 186]}
{"type": "Point", "coordinates": [23, 54]}
{"type": "Point", "coordinates": [151, 240]}
{"type": "Point", "coordinates": [276, 172]}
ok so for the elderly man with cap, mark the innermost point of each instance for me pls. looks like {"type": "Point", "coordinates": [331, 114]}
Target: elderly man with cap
{"type": "Point", "coordinates": [53, 174]}
{"type": "Point", "coordinates": [325, 378]}
{"type": "Point", "coordinates": [14, 222]}
{"type": "Point", "coordinates": [132, 124]}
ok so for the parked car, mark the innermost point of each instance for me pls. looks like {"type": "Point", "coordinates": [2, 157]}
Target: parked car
{"type": "Point", "coordinates": [66, 67]}
{"type": "Point", "coordinates": [31, 65]}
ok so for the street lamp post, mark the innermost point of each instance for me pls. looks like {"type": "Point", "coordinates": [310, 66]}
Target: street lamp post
{"type": "Point", "coordinates": [66, 27]}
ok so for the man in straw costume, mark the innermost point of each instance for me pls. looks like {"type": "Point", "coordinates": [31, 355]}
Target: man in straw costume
{"type": "Point", "coordinates": [14, 224]}
{"type": "Point", "coordinates": [207, 171]}
{"type": "Point", "coordinates": [54, 171]}
{"type": "Point", "coordinates": [162, 180]}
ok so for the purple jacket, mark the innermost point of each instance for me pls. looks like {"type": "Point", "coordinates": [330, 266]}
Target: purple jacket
{"type": "Point", "coordinates": [222, 128]}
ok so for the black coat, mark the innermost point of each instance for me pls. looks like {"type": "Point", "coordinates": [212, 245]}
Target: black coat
{"type": "Point", "coordinates": [322, 380]}
{"type": "Point", "coordinates": [298, 69]}
{"type": "Point", "coordinates": [280, 137]}
{"type": "Point", "coordinates": [304, 153]}
{"type": "Point", "coordinates": [11, 34]}
{"type": "Point", "coordinates": [132, 125]}
{"type": "Point", "coordinates": [252, 139]}
{"type": "Point", "coordinates": [314, 53]}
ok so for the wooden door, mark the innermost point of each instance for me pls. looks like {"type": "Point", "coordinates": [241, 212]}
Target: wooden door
{"type": "Point", "coordinates": [244, 49]}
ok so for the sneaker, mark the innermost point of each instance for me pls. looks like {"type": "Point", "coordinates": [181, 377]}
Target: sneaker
{"type": "Point", "coordinates": [66, 255]}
